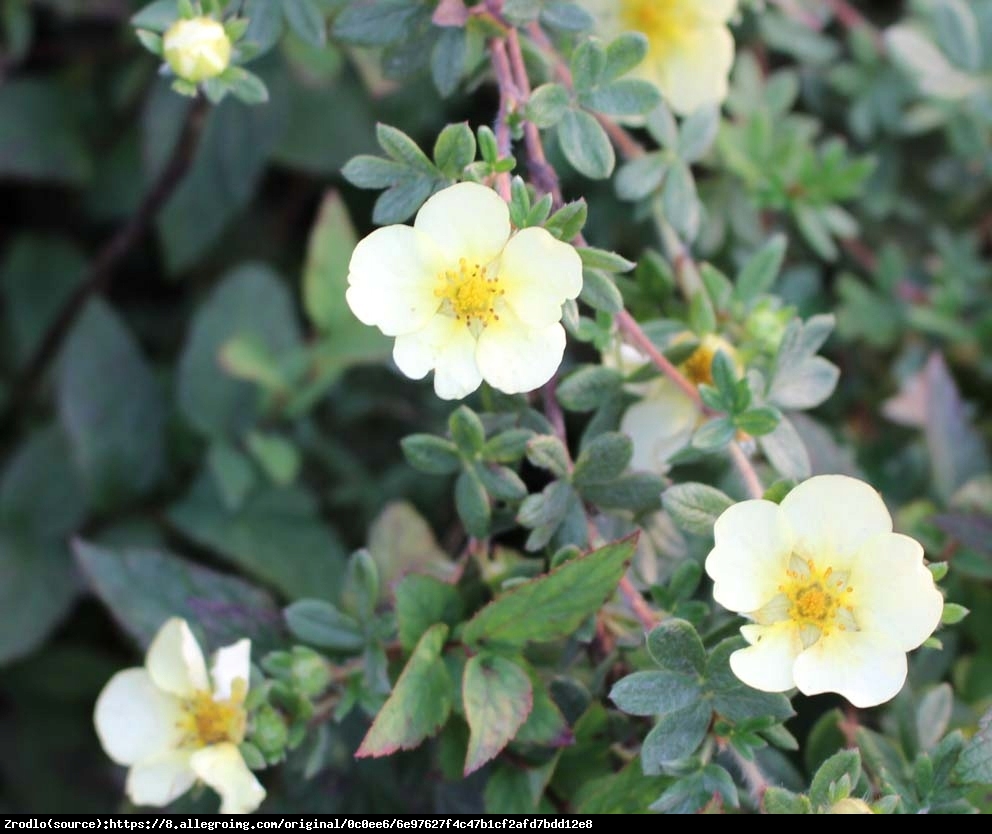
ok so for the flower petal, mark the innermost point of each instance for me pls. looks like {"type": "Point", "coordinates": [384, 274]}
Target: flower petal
{"type": "Point", "coordinates": [752, 546]}
{"type": "Point", "coordinates": [223, 769]}
{"type": "Point", "coordinates": [767, 663]}
{"type": "Point", "coordinates": [715, 11]}
{"type": "Point", "coordinates": [514, 357]}
{"type": "Point", "coordinates": [537, 274]}
{"type": "Point", "coordinates": [159, 781]}
{"type": "Point", "coordinates": [467, 221]}
{"type": "Point", "coordinates": [134, 719]}
{"type": "Point", "coordinates": [175, 661]}
{"type": "Point", "coordinates": [691, 70]}
{"type": "Point", "coordinates": [231, 663]}
{"type": "Point", "coordinates": [833, 516]}
{"type": "Point", "coordinates": [865, 667]}
{"type": "Point", "coordinates": [447, 346]}
{"type": "Point", "coordinates": [894, 593]}
{"type": "Point", "coordinates": [659, 425]}
{"type": "Point", "coordinates": [392, 277]}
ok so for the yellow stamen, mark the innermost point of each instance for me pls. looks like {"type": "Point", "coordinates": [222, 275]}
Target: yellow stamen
{"type": "Point", "coordinates": [207, 721]}
{"type": "Point", "coordinates": [471, 292]}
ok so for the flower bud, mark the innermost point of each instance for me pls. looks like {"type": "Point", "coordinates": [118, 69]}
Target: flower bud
{"type": "Point", "coordinates": [310, 672]}
{"type": "Point", "coordinates": [850, 806]}
{"type": "Point", "coordinates": [197, 49]}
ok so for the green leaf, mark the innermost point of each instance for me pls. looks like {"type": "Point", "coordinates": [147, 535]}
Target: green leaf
{"type": "Point", "coordinates": [569, 17]}
{"type": "Point", "coordinates": [498, 697]}
{"type": "Point", "coordinates": [157, 16]}
{"type": "Point", "coordinates": [958, 33]}
{"type": "Point", "coordinates": [245, 86]}
{"type": "Point", "coordinates": [150, 41]}
{"type": "Point", "coordinates": [275, 535]}
{"type": "Point", "coordinates": [419, 703]}
{"type": "Point", "coordinates": [600, 292]}
{"type": "Point", "coordinates": [680, 201]}
{"type": "Point", "coordinates": [593, 258]}
{"type": "Point", "coordinates": [375, 22]}
{"type": "Point", "coordinates": [546, 105]}
{"type": "Point", "coordinates": [675, 736]}
{"type": "Point", "coordinates": [454, 149]}
{"type": "Point", "coordinates": [431, 454]}
{"type": "Point", "coordinates": [552, 605]}
{"type": "Point", "coordinates": [250, 303]}
{"type": "Point", "coordinates": [786, 451]}
{"type": "Point", "coordinates": [781, 801]}
{"type": "Point", "coordinates": [953, 613]}
{"type": "Point", "coordinates": [587, 65]}
{"type": "Point", "coordinates": [846, 763]}
{"type": "Point", "coordinates": [589, 387]}
{"type": "Point", "coordinates": [626, 97]}
{"type": "Point", "coordinates": [624, 53]}
{"type": "Point", "coordinates": [143, 587]}
{"type": "Point", "coordinates": [37, 591]}
{"type": "Point", "coordinates": [812, 223]}
{"type": "Point", "coordinates": [472, 504]}
{"type": "Point", "coordinates": [641, 177]}
{"type": "Point", "coordinates": [361, 586]}
{"type": "Point", "coordinates": [467, 430]}
{"type": "Point", "coordinates": [320, 624]}
{"type": "Point", "coordinates": [697, 133]}
{"type": "Point", "coordinates": [501, 483]}
{"type": "Point", "coordinates": [401, 148]}
{"type": "Point", "coordinates": [758, 421]}
{"type": "Point", "coordinates": [654, 693]}
{"type": "Point", "coordinates": [306, 20]}
{"type": "Point", "coordinates": [232, 472]}
{"type": "Point", "coordinates": [603, 460]}
{"type": "Point", "coordinates": [636, 491]}
{"type": "Point", "coordinates": [508, 446]}
{"type": "Point", "coordinates": [401, 541]}
{"type": "Point", "coordinates": [277, 456]}
{"type": "Point", "coordinates": [762, 268]}
{"type": "Point", "coordinates": [566, 223]}
{"type": "Point", "coordinates": [40, 138]}
{"type": "Point", "coordinates": [546, 451]}
{"type": "Point", "coordinates": [448, 61]}
{"type": "Point", "coordinates": [933, 714]}
{"type": "Point", "coordinates": [695, 507]}
{"type": "Point", "coordinates": [265, 23]}
{"type": "Point", "coordinates": [422, 601]}
{"type": "Point", "coordinates": [586, 145]}
{"type": "Point", "coordinates": [675, 646]}
{"type": "Point", "coordinates": [111, 408]}
{"type": "Point", "coordinates": [714, 434]}
{"type": "Point", "coordinates": [802, 380]}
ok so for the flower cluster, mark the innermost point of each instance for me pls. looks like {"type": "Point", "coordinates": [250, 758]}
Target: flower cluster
{"type": "Point", "coordinates": [464, 297]}
{"type": "Point", "coordinates": [171, 723]}
{"type": "Point", "coordinates": [836, 599]}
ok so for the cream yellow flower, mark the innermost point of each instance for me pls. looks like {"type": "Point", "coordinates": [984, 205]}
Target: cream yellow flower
{"type": "Point", "coordinates": [172, 724]}
{"type": "Point", "coordinates": [690, 48]}
{"type": "Point", "coordinates": [662, 423]}
{"type": "Point", "coordinates": [836, 598]}
{"type": "Point", "coordinates": [464, 297]}
{"type": "Point", "coordinates": [197, 49]}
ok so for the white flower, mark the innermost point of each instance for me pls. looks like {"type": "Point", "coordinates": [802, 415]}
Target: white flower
{"type": "Point", "coordinates": [690, 48]}
{"type": "Point", "coordinates": [171, 726]}
{"type": "Point", "coordinates": [836, 598]}
{"type": "Point", "coordinates": [464, 297]}
{"type": "Point", "coordinates": [662, 423]}
{"type": "Point", "coordinates": [197, 49]}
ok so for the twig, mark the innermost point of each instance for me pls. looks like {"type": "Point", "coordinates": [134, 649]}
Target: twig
{"type": "Point", "coordinates": [646, 615]}
{"type": "Point", "coordinates": [98, 278]}
{"type": "Point", "coordinates": [755, 780]}
{"type": "Point", "coordinates": [507, 98]}
{"type": "Point", "coordinates": [638, 338]}
{"type": "Point", "coordinates": [751, 480]}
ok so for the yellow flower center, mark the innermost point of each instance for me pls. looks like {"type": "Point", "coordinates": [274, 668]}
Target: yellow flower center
{"type": "Point", "coordinates": [816, 600]}
{"type": "Point", "coordinates": [699, 366]}
{"type": "Point", "coordinates": [662, 21]}
{"type": "Point", "coordinates": [207, 721]}
{"type": "Point", "coordinates": [470, 292]}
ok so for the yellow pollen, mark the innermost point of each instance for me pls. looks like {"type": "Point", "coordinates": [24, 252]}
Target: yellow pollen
{"type": "Point", "coordinates": [471, 292]}
{"type": "Point", "coordinates": [207, 721]}
{"type": "Point", "coordinates": [699, 366]}
{"type": "Point", "coordinates": [663, 21]}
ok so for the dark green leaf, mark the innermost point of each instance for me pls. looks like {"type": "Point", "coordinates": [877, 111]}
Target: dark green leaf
{"type": "Point", "coordinates": [604, 459]}
{"type": "Point", "coordinates": [762, 268]}
{"type": "Point", "coordinates": [695, 507]}
{"type": "Point", "coordinates": [320, 624]}
{"type": "Point", "coordinates": [654, 693]}
{"type": "Point", "coordinates": [635, 491]}
{"type": "Point", "coordinates": [589, 387]}
{"type": "Point", "coordinates": [675, 736]}
{"type": "Point", "coordinates": [472, 504]}
{"type": "Point", "coordinates": [306, 20]}
{"type": "Point", "coordinates": [586, 145]}
{"type": "Point", "coordinates": [431, 454]}
{"type": "Point", "coordinates": [422, 601]}
{"type": "Point", "coordinates": [454, 149]}
{"type": "Point", "coordinates": [675, 646]}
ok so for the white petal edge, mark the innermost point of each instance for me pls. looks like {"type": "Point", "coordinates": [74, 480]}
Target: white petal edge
{"type": "Point", "coordinates": [222, 768]}
{"type": "Point", "coordinates": [175, 660]}
{"type": "Point", "coordinates": [157, 782]}
{"type": "Point", "coordinates": [659, 425]}
{"type": "Point", "coordinates": [538, 273]}
{"type": "Point", "coordinates": [447, 346]}
{"type": "Point", "coordinates": [515, 358]}
{"type": "Point", "coordinates": [693, 72]}
{"type": "Point", "coordinates": [751, 551]}
{"type": "Point", "coordinates": [894, 593]}
{"type": "Point", "coordinates": [833, 516]}
{"type": "Point", "coordinates": [467, 221]}
{"type": "Point", "coordinates": [865, 667]}
{"type": "Point", "coordinates": [392, 277]}
{"type": "Point", "coordinates": [767, 663]}
{"type": "Point", "coordinates": [135, 719]}
{"type": "Point", "coordinates": [231, 663]}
